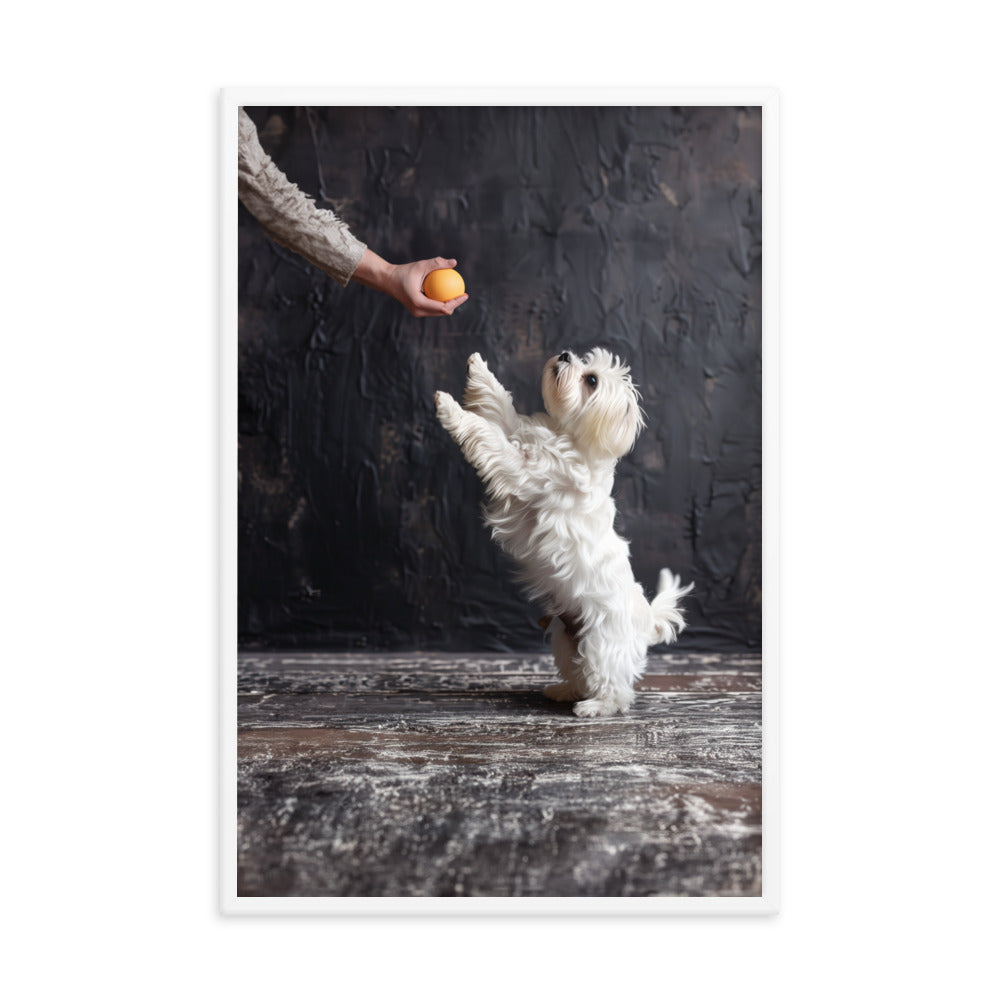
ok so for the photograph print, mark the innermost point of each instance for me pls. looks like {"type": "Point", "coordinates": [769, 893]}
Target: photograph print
{"type": "Point", "coordinates": [498, 428]}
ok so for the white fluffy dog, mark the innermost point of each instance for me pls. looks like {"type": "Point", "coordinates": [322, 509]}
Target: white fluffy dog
{"type": "Point", "coordinates": [549, 481]}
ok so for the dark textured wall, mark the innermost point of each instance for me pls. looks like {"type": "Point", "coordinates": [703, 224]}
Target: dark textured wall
{"type": "Point", "coordinates": [638, 229]}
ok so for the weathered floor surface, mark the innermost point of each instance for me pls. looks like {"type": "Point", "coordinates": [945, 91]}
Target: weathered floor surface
{"type": "Point", "coordinates": [451, 775]}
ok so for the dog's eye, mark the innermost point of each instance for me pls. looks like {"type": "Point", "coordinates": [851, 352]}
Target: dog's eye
{"type": "Point", "coordinates": [591, 380]}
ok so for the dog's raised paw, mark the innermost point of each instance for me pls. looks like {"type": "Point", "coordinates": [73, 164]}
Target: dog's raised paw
{"type": "Point", "coordinates": [446, 407]}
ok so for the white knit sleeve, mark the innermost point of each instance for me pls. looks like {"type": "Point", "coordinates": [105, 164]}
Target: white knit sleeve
{"type": "Point", "coordinates": [290, 218]}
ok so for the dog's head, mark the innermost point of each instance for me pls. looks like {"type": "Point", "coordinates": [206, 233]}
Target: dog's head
{"type": "Point", "coordinates": [594, 401]}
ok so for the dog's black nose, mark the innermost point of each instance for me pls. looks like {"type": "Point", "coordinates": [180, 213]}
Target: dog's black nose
{"type": "Point", "coordinates": [564, 356]}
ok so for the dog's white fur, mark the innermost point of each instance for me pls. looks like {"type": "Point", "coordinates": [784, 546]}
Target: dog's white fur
{"type": "Point", "coordinates": [549, 479]}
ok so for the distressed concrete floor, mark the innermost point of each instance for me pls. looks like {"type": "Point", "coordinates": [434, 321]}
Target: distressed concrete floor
{"type": "Point", "coordinates": [451, 775]}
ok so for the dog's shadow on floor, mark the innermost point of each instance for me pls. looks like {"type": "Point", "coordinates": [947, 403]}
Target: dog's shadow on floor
{"type": "Point", "coordinates": [527, 702]}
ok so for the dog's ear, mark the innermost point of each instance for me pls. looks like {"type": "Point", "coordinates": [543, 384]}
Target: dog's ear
{"type": "Point", "coordinates": [614, 420]}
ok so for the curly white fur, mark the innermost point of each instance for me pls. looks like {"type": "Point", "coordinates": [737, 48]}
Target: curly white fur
{"type": "Point", "coordinates": [549, 479]}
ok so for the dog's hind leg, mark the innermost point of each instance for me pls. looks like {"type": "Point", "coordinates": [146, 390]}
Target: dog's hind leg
{"type": "Point", "coordinates": [564, 653]}
{"type": "Point", "coordinates": [609, 668]}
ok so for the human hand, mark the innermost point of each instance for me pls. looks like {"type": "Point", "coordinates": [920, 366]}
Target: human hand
{"type": "Point", "coordinates": [405, 282]}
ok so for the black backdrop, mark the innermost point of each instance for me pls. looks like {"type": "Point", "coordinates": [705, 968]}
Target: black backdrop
{"type": "Point", "coordinates": [637, 229]}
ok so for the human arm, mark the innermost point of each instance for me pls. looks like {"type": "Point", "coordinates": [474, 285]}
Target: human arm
{"type": "Point", "coordinates": [293, 221]}
{"type": "Point", "coordinates": [290, 218]}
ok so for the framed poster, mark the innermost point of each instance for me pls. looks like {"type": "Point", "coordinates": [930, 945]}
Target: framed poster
{"type": "Point", "coordinates": [393, 737]}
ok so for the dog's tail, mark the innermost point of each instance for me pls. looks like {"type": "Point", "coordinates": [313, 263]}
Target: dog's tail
{"type": "Point", "coordinates": [668, 620]}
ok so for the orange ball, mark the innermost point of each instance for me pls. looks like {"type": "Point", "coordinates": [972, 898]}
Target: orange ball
{"type": "Point", "coordinates": [444, 284]}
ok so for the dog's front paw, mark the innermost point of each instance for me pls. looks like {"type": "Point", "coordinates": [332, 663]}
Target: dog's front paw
{"type": "Point", "coordinates": [479, 380]}
{"type": "Point", "coordinates": [485, 395]}
{"type": "Point", "coordinates": [448, 411]}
